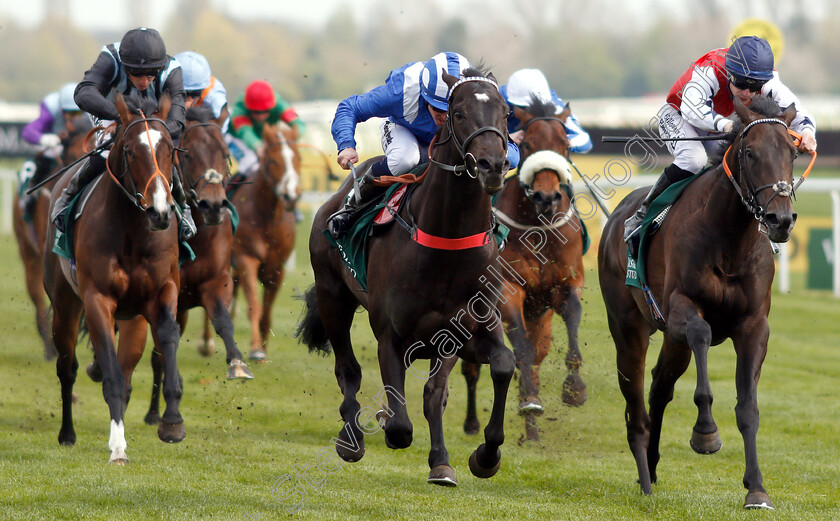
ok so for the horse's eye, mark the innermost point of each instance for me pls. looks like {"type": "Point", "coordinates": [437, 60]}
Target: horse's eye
{"type": "Point", "coordinates": [749, 155]}
{"type": "Point", "coordinates": [458, 115]}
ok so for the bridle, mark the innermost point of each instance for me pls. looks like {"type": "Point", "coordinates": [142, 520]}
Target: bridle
{"type": "Point", "coordinates": [462, 147]}
{"type": "Point", "coordinates": [780, 188]}
{"type": "Point", "coordinates": [210, 177]}
{"type": "Point", "coordinates": [139, 199]}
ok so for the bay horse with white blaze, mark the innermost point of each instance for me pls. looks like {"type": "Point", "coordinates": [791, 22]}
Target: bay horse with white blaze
{"type": "Point", "coordinates": [711, 269]}
{"type": "Point", "coordinates": [266, 234]}
{"type": "Point", "coordinates": [420, 284]}
{"type": "Point", "coordinates": [545, 250]}
{"type": "Point", "coordinates": [126, 267]}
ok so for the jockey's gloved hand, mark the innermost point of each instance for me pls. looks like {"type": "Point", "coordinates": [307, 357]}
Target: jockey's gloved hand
{"type": "Point", "coordinates": [49, 141]}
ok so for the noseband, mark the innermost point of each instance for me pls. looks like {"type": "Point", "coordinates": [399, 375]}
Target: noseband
{"type": "Point", "coordinates": [139, 199]}
{"type": "Point", "coordinates": [461, 148]}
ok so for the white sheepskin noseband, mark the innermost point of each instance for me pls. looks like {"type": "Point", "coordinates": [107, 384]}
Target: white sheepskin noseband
{"type": "Point", "coordinates": [542, 160]}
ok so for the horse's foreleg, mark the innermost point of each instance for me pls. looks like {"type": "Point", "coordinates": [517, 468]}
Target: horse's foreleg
{"type": "Point", "coordinates": [486, 459]}
{"type": "Point", "coordinates": [99, 311]}
{"type": "Point", "coordinates": [567, 304]}
{"type": "Point", "coordinates": [165, 331]}
{"type": "Point", "coordinates": [673, 361]}
{"type": "Point", "coordinates": [686, 325]}
{"type": "Point", "coordinates": [215, 299]}
{"type": "Point", "coordinates": [525, 352]}
{"type": "Point", "coordinates": [471, 373]}
{"type": "Point", "coordinates": [130, 348]}
{"type": "Point", "coordinates": [539, 335]}
{"type": "Point", "coordinates": [271, 286]}
{"type": "Point", "coordinates": [34, 274]}
{"type": "Point", "coordinates": [751, 348]}
{"type": "Point", "coordinates": [435, 395]}
{"type": "Point", "coordinates": [399, 433]}
{"type": "Point", "coordinates": [153, 416]}
{"type": "Point", "coordinates": [208, 345]}
{"type": "Point", "coordinates": [247, 268]}
{"type": "Point", "coordinates": [631, 342]}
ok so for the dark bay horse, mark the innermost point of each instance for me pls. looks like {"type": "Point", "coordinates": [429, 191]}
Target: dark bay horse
{"type": "Point", "coordinates": [30, 236]}
{"type": "Point", "coordinates": [206, 281]}
{"type": "Point", "coordinates": [266, 234]}
{"type": "Point", "coordinates": [545, 250]}
{"type": "Point", "coordinates": [711, 269]}
{"type": "Point", "coordinates": [421, 284]}
{"type": "Point", "coordinates": [126, 268]}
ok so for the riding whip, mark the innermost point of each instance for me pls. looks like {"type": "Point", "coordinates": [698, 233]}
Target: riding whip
{"type": "Point", "coordinates": [591, 191]}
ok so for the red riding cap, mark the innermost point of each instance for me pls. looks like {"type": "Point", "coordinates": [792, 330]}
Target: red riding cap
{"type": "Point", "coordinates": [259, 96]}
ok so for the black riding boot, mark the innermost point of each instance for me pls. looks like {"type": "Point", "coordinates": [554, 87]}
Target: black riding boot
{"type": "Point", "coordinates": [670, 175]}
{"type": "Point", "coordinates": [186, 225]}
{"type": "Point", "coordinates": [94, 166]}
{"type": "Point", "coordinates": [340, 221]}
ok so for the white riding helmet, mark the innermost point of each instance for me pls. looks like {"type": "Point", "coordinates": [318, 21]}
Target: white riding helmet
{"type": "Point", "coordinates": [525, 83]}
{"type": "Point", "coordinates": [196, 70]}
{"type": "Point", "coordinates": [65, 98]}
{"type": "Point", "coordinates": [432, 87]}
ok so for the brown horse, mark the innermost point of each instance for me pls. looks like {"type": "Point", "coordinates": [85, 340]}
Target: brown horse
{"type": "Point", "coordinates": [420, 284]}
{"type": "Point", "coordinates": [206, 281]}
{"type": "Point", "coordinates": [545, 248]}
{"type": "Point", "coordinates": [30, 235]}
{"type": "Point", "coordinates": [266, 234]}
{"type": "Point", "coordinates": [711, 269]}
{"type": "Point", "coordinates": [126, 267]}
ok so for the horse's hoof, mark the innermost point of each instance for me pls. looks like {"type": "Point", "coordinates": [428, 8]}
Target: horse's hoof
{"type": "Point", "coordinates": [207, 348]}
{"type": "Point", "coordinates": [471, 426]}
{"type": "Point", "coordinates": [239, 369]}
{"type": "Point", "coordinates": [152, 418]}
{"type": "Point", "coordinates": [443, 475]}
{"type": "Point", "coordinates": [171, 432]}
{"type": "Point", "coordinates": [574, 391]}
{"type": "Point", "coordinates": [348, 454]}
{"type": "Point", "coordinates": [481, 472]}
{"type": "Point", "coordinates": [531, 405]}
{"type": "Point", "coordinates": [759, 499]}
{"type": "Point", "coordinates": [258, 355]}
{"type": "Point", "coordinates": [705, 443]}
{"type": "Point", "coordinates": [67, 439]}
{"type": "Point", "coordinates": [94, 371]}
{"type": "Point", "coordinates": [119, 458]}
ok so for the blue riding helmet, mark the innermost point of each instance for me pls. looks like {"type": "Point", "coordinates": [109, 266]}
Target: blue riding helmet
{"type": "Point", "coordinates": [196, 70]}
{"type": "Point", "coordinates": [750, 57]}
{"type": "Point", "coordinates": [65, 98]}
{"type": "Point", "coordinates": [432, 87]}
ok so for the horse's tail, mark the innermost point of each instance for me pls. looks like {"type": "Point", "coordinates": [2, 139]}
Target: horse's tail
{"type": "Point", "coordinates": [310, 329]}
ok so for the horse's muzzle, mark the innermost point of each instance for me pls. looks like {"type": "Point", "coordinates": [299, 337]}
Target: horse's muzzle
{"type": "Point", "coordinates": [780, 225]}
{"type": "Point", "coordinates": [211, 211]}
{"type": "Point", "coordinates": [545, 202]}
{"type": "Point", "coordinates": [158, 220]}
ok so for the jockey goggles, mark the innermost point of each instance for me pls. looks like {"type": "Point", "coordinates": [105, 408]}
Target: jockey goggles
{"type": "Point", "coordinates": [149, 73]}
{"type": "Point", "coordinates": [749, 84]}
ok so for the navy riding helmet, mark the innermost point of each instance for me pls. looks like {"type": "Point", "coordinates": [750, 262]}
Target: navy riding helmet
{"type": "Point", "coordinates": [750, 57]}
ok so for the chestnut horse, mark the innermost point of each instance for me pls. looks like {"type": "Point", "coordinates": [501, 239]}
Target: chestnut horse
{"type": "Point", "coordinates": [30, 235]}
{"type": "Point", "coordinates": [711, 269]}
{"type": "Point", "coordinates": [126, 267]}
{"type": "Point", "coordinates": [420, 284]}
{"type": "Point", "coordinates": [266, 234]}
{"type": "Point", "coordinates": [202, 156]}
{"type": "Point", "coordinates": [545, 249]}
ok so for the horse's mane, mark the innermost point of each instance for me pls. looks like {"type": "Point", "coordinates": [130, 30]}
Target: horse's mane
{"type": "Point", "coordinates": [136, 104]}
{"type": "Point", "coordinates": [764, 106]}
{"type": "Point", "coordinates": [200, 114]}
{"type": "Point", "coordinates": [540, 108]}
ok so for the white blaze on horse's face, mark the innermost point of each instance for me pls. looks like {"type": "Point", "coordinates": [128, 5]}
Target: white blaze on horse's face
{"type": "Point", "coordinates": [150, 138]}
{"type": "Point", "coordinates": [481, 96]}
{"type": "Point", "coordinates": [291, 179]}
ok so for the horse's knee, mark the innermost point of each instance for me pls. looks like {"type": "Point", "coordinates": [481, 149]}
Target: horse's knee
{"type": "Point", "coordinates": [698, 333]}
{"type": "Point", "coordinates": [502, 364]}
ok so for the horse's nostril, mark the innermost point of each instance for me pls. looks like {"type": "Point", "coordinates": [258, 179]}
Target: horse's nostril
{"type": "Point", "coordinates": [484, 164]}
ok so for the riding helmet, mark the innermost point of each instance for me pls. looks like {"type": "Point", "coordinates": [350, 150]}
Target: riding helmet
{"type": "Point", "coordinates": [143, 48]}
{"type": "Point", "coordinates": [432, 87]}
{"type": "Point", "coordinates": [65, 98]}
{"type": "Point", "coordinates": [750, 57]}
{"type": "Point", "coordinates": [525, 84]}
{"type": "Point", "coordinates": [259, 96]}
{"type": "Point", "coordinates": [196, 70]}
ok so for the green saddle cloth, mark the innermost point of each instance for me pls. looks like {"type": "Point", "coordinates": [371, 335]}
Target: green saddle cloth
{"type": "Point", "coordinates": [636, 265]}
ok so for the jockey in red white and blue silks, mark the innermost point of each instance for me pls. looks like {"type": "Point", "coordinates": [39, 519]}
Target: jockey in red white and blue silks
{"type": "Point", "coordinates": [518, 92]}
{"type": "Point", "coordinates": [405, 100]}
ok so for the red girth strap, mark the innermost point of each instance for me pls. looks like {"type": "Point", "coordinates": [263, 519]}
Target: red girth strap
{"type": "Point", "coordinates": [442, 243]}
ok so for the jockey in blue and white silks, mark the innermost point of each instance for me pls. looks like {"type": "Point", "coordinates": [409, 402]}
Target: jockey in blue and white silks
{"type": "Point", "coordinates": [518, 91]}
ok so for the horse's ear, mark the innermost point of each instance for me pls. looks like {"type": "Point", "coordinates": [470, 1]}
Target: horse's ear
{"type": "Point", "coordinates": [163, 106]}
{"type": "Point", "coordinates": [122, 108]}
{"type": "Point", "coordinates": [744, 114]}
{"type": "Point", "coordinates": [564, 115]}
{"type": "Point", "coordinates": [269, 133]}
{"type": "Point", "coordinates": [789, 113]}
{"type": "Point", "coordinates": [448, 78]}
{"type": "Point", "coordinates": [490, 76]}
